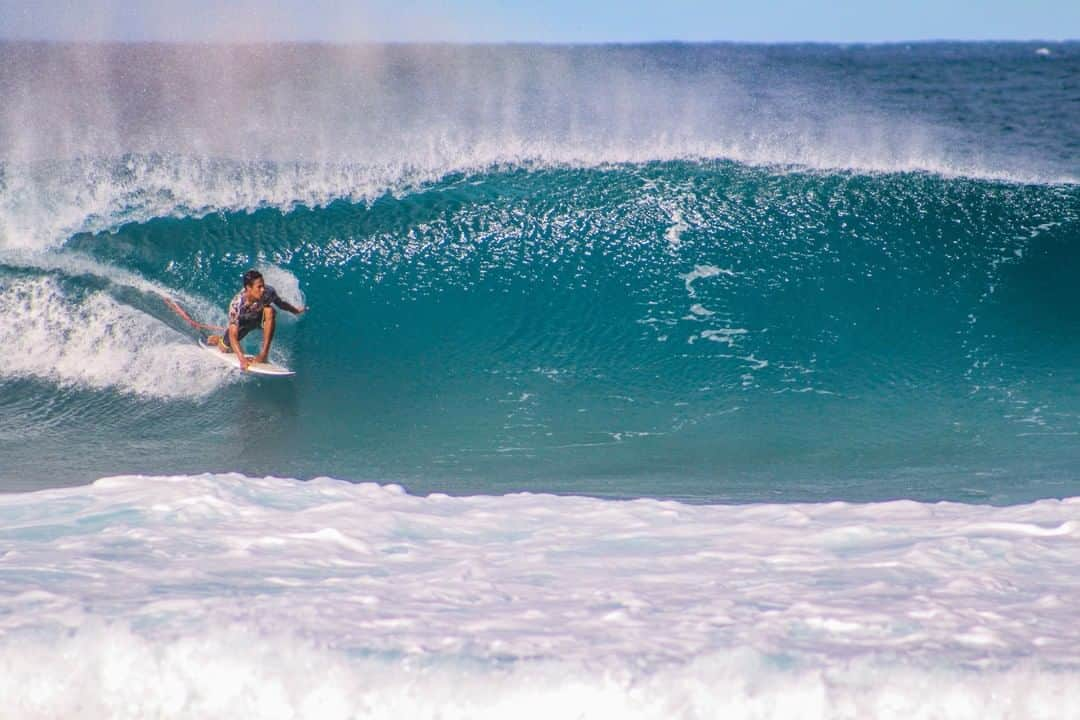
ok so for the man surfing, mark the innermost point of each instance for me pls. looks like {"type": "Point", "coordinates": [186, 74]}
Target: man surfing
{"type": "Point", "coordinates": [251, 308]}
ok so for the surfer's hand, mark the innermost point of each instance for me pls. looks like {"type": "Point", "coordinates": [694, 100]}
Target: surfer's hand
{"type": "Point", "coordinates": [260, 358]}
{"type": "Point", "coordinates": [244, 362]}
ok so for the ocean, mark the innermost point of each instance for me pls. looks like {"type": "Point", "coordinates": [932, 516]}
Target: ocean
{"type": "Point", "coordinates": [659, 381]}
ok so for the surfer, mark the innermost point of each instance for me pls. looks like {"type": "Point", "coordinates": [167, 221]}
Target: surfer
{"type": "Point", "coordinates": [252, 307]}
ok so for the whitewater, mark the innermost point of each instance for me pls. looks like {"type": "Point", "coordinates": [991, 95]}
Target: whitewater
{"type": "Point", "coordinates": [220, 595]}
{"type": "Point", "coordinates": [672, 381]}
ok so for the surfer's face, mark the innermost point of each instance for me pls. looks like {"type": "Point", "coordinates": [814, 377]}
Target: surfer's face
{"type": "Point", "coordinates": [255, 289]}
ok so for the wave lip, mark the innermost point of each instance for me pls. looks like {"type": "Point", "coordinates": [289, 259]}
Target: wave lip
{"type": "Point", "coordinates": [105, 193]}
{"type": "Point", "coordinates": [93, 136]}
{"type": "Point", "coordinates": [588, 603]}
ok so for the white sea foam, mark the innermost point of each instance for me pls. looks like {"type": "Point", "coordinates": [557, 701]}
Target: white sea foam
{"type": "Point", "coordinates": [224, 596]}
{"type": "Point", "coordinates": [678, 226]}
{"type": "Point", "coordinates": [703, 271]}
{"type": "Point", "coordinates": [113, 672]}
{"type": "Point", "coordinates": [75, 264]}
{"type": "Point", "coordinates": [95, 341]}
{"type": "Point", "coordinates": [727, 336]}
{"type": "Point", "coordinates": [285, 283]}
{"type": "Point", "coordinates": [699, 310]}
{"type": "Point", "coordinates": [42, 205]}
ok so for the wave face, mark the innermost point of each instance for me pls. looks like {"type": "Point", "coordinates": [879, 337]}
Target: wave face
{"type": "Point", "coordinates": [718, 273]}
{"type": "Point", "coordinates": [218, 596]}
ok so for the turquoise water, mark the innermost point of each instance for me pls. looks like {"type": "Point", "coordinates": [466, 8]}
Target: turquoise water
{"type": "Point", "coordinates": [756, 289]}
{"type": "Point", "coordinates": [681, 289]}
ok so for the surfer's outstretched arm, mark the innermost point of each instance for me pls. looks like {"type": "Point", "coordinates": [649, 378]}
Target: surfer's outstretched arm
{"type": "Point", "coordinates": [291, 308]}
{"type": "Point", "coordinates": [175, 307]}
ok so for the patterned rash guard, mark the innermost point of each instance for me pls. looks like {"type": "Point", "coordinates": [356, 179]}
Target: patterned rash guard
{"type": "Point", "coordinates": [247, 315]}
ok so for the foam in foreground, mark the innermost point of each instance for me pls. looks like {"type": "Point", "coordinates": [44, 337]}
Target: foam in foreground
{"type": "Point", "coordinates": [221, 596]}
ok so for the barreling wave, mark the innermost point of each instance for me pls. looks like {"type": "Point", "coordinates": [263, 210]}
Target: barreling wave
{"type": "Point", "coordinates": [543, 264]}
{"type": "Point", "coordinates": [672, 316]}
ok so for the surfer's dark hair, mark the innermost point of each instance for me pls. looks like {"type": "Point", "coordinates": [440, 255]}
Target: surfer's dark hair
{"type": "Point", "coordinates": [251, 276]}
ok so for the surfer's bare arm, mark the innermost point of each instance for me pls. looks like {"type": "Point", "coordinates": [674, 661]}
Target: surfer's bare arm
{"type": "Point", "coordinates": [291, 308]}
{"type": "Point", "coordinates": [234, 342]}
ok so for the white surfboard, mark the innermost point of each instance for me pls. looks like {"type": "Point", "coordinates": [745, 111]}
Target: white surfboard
{"type": "Point", "coordinates": [266, 368]}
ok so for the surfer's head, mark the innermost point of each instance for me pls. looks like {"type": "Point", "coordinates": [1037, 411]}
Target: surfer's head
{"type": "Point", "coordinates": [253, 283]}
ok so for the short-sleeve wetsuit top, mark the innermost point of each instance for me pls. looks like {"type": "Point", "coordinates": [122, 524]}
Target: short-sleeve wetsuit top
{"type": "Point", "coordinates": [247, 314]}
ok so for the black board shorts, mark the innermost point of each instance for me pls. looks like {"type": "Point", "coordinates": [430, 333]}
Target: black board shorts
{"type": "Point", "coordinates": [241, 330]}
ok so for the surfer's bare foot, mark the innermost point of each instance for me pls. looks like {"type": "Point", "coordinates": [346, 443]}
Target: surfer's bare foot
{"type": "Point", "coordinates": [218, 342]}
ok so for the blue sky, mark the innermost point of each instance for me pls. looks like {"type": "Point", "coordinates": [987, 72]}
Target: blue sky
{"type": "Point", "coordinates": [552, 21]}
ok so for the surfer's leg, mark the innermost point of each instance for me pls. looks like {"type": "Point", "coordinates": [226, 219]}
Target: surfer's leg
{"type": "Point", "coordinates": [219, 342]}
{"type": "Point", "coordinates": [268, 323]}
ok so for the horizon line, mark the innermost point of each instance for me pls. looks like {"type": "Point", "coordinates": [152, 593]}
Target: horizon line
{"type": "Point", "coordinates": [539, 43]}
